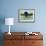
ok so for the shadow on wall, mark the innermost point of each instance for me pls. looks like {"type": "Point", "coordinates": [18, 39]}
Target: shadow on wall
{"type": "Point", "coordinates": [2, 21]}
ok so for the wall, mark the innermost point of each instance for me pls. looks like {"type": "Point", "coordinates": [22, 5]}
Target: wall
{"type": "Point", "coordinates": [9, 8]}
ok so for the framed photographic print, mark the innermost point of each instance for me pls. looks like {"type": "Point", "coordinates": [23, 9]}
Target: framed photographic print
{"type": "Point", "coordinates": [26, 15]}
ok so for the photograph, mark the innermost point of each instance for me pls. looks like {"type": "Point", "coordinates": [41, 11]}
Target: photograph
{"type": "Point", "coordinates": [26, 15]}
